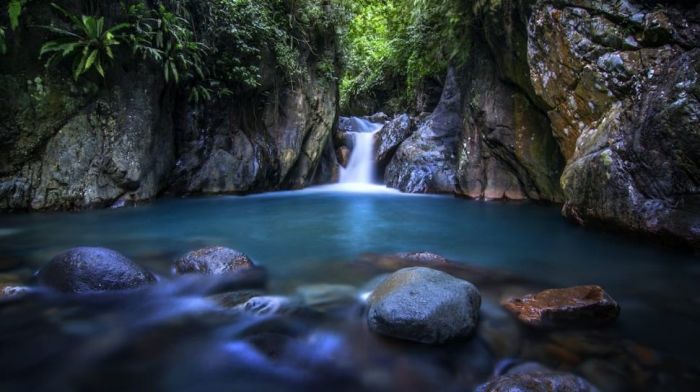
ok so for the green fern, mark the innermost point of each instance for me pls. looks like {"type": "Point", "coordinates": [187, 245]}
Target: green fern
{"type": "Point", "coordinates": [88, 42]}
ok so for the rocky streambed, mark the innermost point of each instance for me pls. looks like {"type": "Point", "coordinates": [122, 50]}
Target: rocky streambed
{"type": "Point", "coordinates": [412, 321]}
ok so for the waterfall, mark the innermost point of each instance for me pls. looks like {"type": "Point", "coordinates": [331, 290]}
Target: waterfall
{"type": "Point", "coordinates": [361, 166]}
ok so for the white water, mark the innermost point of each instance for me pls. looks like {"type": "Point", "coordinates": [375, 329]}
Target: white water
{"type": "Point", "coordinates": [361, 167]}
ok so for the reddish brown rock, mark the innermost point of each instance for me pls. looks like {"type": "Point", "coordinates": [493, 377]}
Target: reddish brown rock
{"type": "Point", "coordinates": [573, 306]}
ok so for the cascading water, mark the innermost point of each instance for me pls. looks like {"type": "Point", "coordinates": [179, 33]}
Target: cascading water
{"type": "Point", "coordinates": [361, 166]}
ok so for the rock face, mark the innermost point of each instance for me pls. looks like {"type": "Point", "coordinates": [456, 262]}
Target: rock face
{"type": "Point", "coordinates": [533, 377]}
{"type": "Point", "coordinates": [66, 151]}
{"type": "Point", "coordinates": [593, 104]}
{"type": "Point", "coordinates": [425, 162]}
{"type": "Point", "coordinates": [82, 270]}
{"type": "Point", "coordinates": [619, 84]}
{"type": "Point", "coordinates": [213, 261]}
{"type": "Point", "coordinates": [507, 150]}
{"type": "Point", "coordinates": [574, 306]}
{"type": "Point", "coordinates": [131, 137]}
{"type": "Point", "coordinates": [226, 149]}
{"type": "Point", "coordinates": [390, 137]}
{"type": "Point", "coordinates": [423, 305]}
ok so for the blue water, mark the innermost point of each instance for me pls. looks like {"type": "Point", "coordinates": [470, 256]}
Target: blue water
{"type": "Point", "coordinates": [297, 235]}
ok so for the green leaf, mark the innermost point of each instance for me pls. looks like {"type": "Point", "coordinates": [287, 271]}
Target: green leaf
{"type": "Point", "coordinates": [90, 60]}
{"type": "Point", "coordinates": [14, 11]}
{"type": "Point", "coordinates": [99, 68]}
{"type": "Point", "coordinates": [176, 76]}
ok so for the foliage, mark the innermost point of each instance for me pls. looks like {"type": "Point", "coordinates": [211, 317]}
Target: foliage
{"type": "Point", "coordinates": [244, 33]}
{"type": "Point", "coordinates": [166, 36]}
{"type": "Point", "coordinates": [14, 11]}
{"type": "Point", "coordinates": [87, 41]}
{"type": "Point", "coordinates": [392, 45]}
{"type": "Point", "coordinates": [206, 48]}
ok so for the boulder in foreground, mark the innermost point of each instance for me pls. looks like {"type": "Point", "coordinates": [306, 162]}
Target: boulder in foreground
{"type": "Point", "coordinates": [423, 305]}
{"type": "Point", "coordinates": [573, 306]}
{"type": "Point", "coordinates": [82, 270]}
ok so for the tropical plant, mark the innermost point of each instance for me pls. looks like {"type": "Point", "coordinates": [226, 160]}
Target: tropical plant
{"type": "Point", "coordinates": [167, 37]}
{"type": "Point", "coordinates": [88, 41]}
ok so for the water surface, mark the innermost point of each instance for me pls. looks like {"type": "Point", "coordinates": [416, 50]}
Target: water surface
{"type": "Point", "coordinates": [303, 237]}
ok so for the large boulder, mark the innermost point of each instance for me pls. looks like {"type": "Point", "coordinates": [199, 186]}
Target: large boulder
{"type": "Point", "coordinates": [423, 305]}
{"type": "Point", "coordinates": [573, 306]}
{"type": "Point", "coordinates": [82, 270]}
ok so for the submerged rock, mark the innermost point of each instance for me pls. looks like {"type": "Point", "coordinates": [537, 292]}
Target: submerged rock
{"type": "Point", "coordinates": [423, 305]}
{"type": "Point", "coordinates": [232, 299]}
{"type": "Point", "coordinates": [213, 261]}
{"type": "Point", "coordinates": [573, 306]}
{"type": "Point", "coordinates": [326, 295]}
{"type": "Point", "coordinates": [269, 305]}
{"type": "Point", "coordinates": [81, 270]}
{"type": "Point", "coordinates": [481, 276]}
{"type": "Point", "coordinates": [533, 377]}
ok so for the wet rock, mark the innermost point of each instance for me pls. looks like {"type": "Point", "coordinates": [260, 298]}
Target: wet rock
{"type": "Point", "coordinates": [533, 377]}
{"type": "Point", "coordinates": [366, 290]}
{"type": "Point", "coordinates": [506, 148]}
{"type": "Point", "coordinates": [82, 270]}
{"type": "Point", "coordinates": [343, 154]}
{"type": "Point", "coordinates": [10, 291]}
{"type": "Point", "coordinates": [326, 296]}
{"type": "Point", "coordinates": [379, 118]}
{"type": "Point", "coordinates": [574, 306]}
{"type": "Point", "coordinates": [658, 29]}
{"type": "Point", "coordinates": [68, 148]}
{"type": "Point", "coordinates": [390, 137]}
{"type": "Point", "coordinates": [15, 285]}
{"type": "Point", "coordinates": [213, 261]}
{"type": "Point", "coordinates": [397, 261]}
{"type": "Point", "coordinates": [269, 305]}
{"type": "Point", "coordinates": [498, 330]}
{"type": "Point", "coordinates": [423, 258]}
{"type": "Point", "coordinates": [233, 298]}
{"type": "Point", "coordinates": [425, 162]}
{"type": "Point", "coordinates": [475, 274]}
{"type": "Point", "coordinates": [424, 305]}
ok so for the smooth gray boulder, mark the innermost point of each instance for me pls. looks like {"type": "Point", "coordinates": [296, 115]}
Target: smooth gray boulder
{"type": "Point", "coordinates": [424, 305]}
{"type": "Point", "coordinates": [82, 270]}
